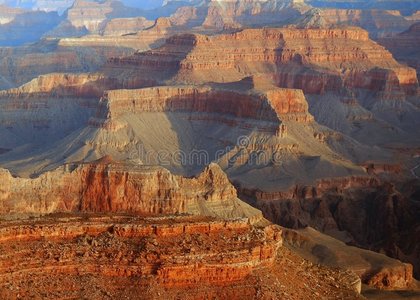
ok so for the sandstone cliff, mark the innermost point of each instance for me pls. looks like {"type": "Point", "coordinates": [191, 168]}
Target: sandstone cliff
{"type": "Point", "coordinates": [340, 71]}
{"type": "Point", "coordinates": [343, 208]}
{"type": "Point", "coordinates": [126, 26]}
{"type": "Point", "coordinates": [94, 15]}
{"type": "Point", "coordinates": [278, 105]}
{"type": "Point", "coordinates": [124, 256]}
{"type": "Point", "coordinates": [405, 45]}
{"type": "Point", "coordinates": [119, 188]}
{"type": "Point", "coordinates": [297, 58]}
{"type": "Point", "coordinates": [378, 23]}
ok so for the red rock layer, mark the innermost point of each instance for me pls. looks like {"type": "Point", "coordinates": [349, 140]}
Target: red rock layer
{"type": "Point", "coordinates": [176, 251]}
{"type": "Point", "coordinates": [118, 188]}
{"type": "Point", "coordinates": [76, 85]}
{"type": "Point", "coordinates": [315, 60]}
{"type": "Point", "coordinates": [276, 106]}
{"type": "Point", "coordinates": [317, 190]}
{"type": "Point", "coordinates": [118, 257]}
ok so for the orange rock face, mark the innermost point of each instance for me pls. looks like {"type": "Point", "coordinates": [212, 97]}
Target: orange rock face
{"type": "Point", "coordinates": [119, 188]}
{"type": "Point", "coordinates": [173, 250]}
{"type": "Point", "coordinates": [125, 256]}
{"type": "Point", "coordinates": [314, 60]}
{"type": "Point", "coordinates": [276, 106]}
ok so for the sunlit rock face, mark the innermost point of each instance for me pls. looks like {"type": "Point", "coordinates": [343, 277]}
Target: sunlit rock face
{"type": "Point", "coordinates": [148, 147]}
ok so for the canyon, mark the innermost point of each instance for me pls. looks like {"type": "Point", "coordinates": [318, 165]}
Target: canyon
{"type": "Point", "coordinates": [209, 149]}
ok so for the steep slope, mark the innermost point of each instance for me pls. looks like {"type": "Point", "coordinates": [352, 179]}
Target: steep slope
{"type": "Point", "coordinates": [107, 187]}
{"type": "Point", "coordinates": [21, 27]}
{"type": "Point", "coordinates": [377, 22]}
{"type": "Point", "coordinates": [405, 46]}
{"type": "Point", "coordinates": [52, 106]}
{"type": "Point", "coordinates": [344, 209]}
{"type": "Point", "coordinates": [374, 269]}
{"type": "Point", "coordinates": [360, 78]}
{"type": "Point", "coordinates": [239, 130]}
{"type": "Point", "coordinates": [93, 15]}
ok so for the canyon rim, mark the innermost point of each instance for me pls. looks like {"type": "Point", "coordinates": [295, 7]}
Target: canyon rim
{"type": "Point", "coordinates": [203, 149]}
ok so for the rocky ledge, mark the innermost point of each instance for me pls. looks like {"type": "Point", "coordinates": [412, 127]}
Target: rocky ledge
{"type": "Point", "coordinates": [66, 255]}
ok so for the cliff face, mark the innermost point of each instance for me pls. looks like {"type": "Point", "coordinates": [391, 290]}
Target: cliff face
{"type": "Point", "coordinates": [378, 23]}
{"type": "Point", "coordinates": [405, 45]}
{"type": "Point", "coordinates": [126, 26]}
{"type": "Point", "coordinates": [344, 208]}
{"type": "Point", "coordinates": [296, 58]}
{"type": "Point", "coordinates": [94, 15]}
{"type": "Point", "coordinates": [374, 269]}
{"type": "Point", "coordinates": [337, 67]}
{"type": "Point", "coordinates": [192, 257]}
{"type": "Point", "coordinates": [161, 253]}
{"type": "Point", "coordinates": [277, 106]}
{"type": "Point", "coordinates": [21, 27]}
{"type": "Point", "coordinates": [119, 188]}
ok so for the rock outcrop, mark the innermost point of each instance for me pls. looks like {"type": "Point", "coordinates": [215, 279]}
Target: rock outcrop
{"type": "Point", "coordinates": [276, 106]}
{"type": "Point", "coordinates": [124, 256]}
{"type": "Point", "coordinates": [342, 70]}
{"type": "Point", "coordinates": [126, 26]}
{"type": "Point", "coordinates": [378, 23]}
{"type": "Point", "coordinates": [374, 269]}
{"type": "Point", "coordinates": [343, 208]}
{"type": "Point", "coordinates": [93, 15]}
{"type": "Point", "coordinates": [120, 188]}
{"type": "Point", "coordinates": [20, 27]}
{"type": "Point", "coordinates": [405, 45]}
{"type": "Point", "coordinates": [295, 58]}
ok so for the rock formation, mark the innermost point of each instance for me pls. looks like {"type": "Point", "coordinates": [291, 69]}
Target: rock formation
{"type": "Point", "coordinates": [93, 15]}
{"type": "Point", "coordinates": [119, 188]}
{"type": "Point", "coordinates": [405, 45]}
{"type": "Point", "coordinates": [188, 257]}
{"type": "Point", "coordinates": [122, 130]}
{"type": "Point", "coordinates": [374, 269]}
{"type": "Point", "coordinates": [20, 27]}
{"type": "Point", "coordinates": [378, 23]}
{"type": "Point", "coordinates": [348, 59]}
{"type": "Point", "coordinates": [126, 26]}
{"type": "Point", "coordinates": [343, 208]}
{"type": "Point", "coordinates": [340, 71]}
